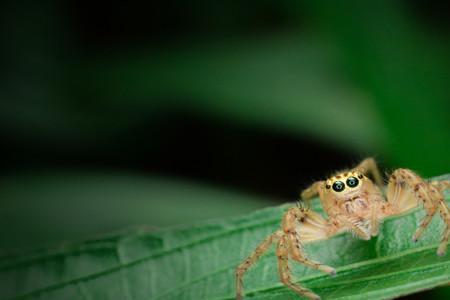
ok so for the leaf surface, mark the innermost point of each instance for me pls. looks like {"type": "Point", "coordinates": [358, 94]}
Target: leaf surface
{"type": "Point", "coordinates": [198, 262]}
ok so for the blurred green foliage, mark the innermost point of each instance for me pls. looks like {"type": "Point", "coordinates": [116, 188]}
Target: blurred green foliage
{"type": "Point", "coordinates": [405, 68]}
{"type": "Point", "coordinates": [45, 208]}
{"type": "Point", "coordinates": [284, 83]}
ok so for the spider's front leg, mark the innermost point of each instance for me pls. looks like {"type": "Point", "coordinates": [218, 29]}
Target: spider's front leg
{"type": "Point", "coordinates": [252, 259]}
{"type": "Point", "coordinates": [369, 166]}
{"type": "Point", "coordinates": [285, 273]}
{"type": "Point", "coordinates": [406, 189]}
{"type": "Point", "coordinates": [311, 191]}
{"type": "Point", "coordinates": [301, 226]}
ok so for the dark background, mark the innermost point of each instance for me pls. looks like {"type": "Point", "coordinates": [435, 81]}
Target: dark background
{"type": "Point", "coordinates": [122, 113]}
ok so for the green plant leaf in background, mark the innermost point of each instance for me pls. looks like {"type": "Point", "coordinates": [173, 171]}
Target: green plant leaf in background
{"type": "Point", "coordinates": [198, 262]}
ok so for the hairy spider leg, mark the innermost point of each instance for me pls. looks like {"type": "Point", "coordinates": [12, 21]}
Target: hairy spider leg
{"type": "Point", "coordinates": [441, 185]}
{"type": "Point", "coordinates": [299, 226]}
{"type": "Point", "coordinates": [302, 226]}
{"type": "Point", "coordinates": [311, 191]}
{"type": "Point", "coordinates": [285, 273]}
{"type": "Point", "coordinates": [369, 166]}
{"type": "Point", "coordinates": [252, 258]}
{"type": "Point", "coordinates": [406, 190]}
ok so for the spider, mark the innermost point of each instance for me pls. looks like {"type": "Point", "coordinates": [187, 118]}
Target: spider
{"type": "Point", "coordinates": [354, 203]}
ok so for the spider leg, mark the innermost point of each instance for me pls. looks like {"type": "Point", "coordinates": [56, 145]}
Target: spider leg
{"type": "Point", "coordinates": [374, 222]}
{"type": "Point", "coordinates": [369, 166]}
{"type": "Point", "coordinates": [297, 253]}
{"type": "Point", "coordinates": [406, 189]}
{"type": "Point", "coordinates": [441, 185]}
{"type": "Point", "coordinates": [252, 258]}
{"type": "Point", "coordinates": [302, 226]}
{"type": "Point", "coordinates": [311, 191]}
{"type": "Point", "coordinates": [285, 273]}
{"type": "Point", "coordinates": [445, 214]}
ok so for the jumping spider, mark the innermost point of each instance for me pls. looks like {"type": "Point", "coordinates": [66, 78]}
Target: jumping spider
{"type": "Point", "coordinates": [353, 203]}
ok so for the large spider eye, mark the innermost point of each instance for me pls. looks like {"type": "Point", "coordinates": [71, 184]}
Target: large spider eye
{"type": "Point", "coordinates": [338, 186]}
{"type": "Point", "coordinates": [352, 181]}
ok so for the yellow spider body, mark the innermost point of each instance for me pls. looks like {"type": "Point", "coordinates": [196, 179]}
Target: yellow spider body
{"type": "Point", "coordinates": [355, 203]}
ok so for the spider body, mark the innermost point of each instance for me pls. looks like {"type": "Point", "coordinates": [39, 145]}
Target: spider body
{"type": "Point", "coordinates": [354, 203]}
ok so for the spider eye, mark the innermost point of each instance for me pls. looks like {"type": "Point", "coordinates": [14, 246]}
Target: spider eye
{"type": "Point", "coordinates": [352, 181]}
{"type": "Point", "coordinates": [338, 186]}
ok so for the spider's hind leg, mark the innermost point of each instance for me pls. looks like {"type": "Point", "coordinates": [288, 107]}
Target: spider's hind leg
{"type": "Point", "coordinates": [406, 190]}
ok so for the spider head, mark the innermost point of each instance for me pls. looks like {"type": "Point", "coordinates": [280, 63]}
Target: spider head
{"type": "Point", "coordinates": [345, 183]}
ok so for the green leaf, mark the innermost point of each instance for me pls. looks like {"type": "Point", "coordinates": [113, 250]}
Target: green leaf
{"type": "Point", "coordinates": [198, 262]}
